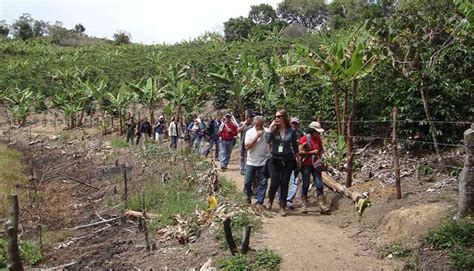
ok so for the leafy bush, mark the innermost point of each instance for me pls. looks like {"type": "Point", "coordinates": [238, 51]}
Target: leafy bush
{"type": "Point", "coordinates": [458, 238]}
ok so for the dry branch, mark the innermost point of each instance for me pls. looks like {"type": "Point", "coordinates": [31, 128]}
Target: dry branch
{"type": "Point", "coordinates": [97, 223]}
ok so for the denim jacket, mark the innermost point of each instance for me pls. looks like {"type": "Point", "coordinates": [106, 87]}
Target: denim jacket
{"type": "Point", "coordinates": [284, 148]}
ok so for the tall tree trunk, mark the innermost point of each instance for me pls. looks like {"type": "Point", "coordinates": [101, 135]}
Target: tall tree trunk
{"type": "Point", "coordinates": [152, 115]}
{"type": "Point", "coordinates": [426, 101]}
{"type": "Point", "coordinates": [337, 105]}
{"type": "Point", "coordinates": [350, 129]}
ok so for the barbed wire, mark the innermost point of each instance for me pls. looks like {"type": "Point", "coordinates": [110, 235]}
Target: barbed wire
{"type": "Point", "coordinates": [390, 121]}
{"type": "Point", "coordinates": [400, 140]}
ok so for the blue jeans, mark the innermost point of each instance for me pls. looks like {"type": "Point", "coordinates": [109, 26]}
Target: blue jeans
{"type": "Point", "coordinates": [195, 143]}
{"type": "Point", "coordinates": [243, 156]}
{"type": "Point", "coordinates": [174, 142]}
{"type": "Point", "coordinates": [226, 150]}
{"type": "Point", "coordinates": [307, 172]}
{"type": "Point", "coordinates": [252, 172]}
{"type": "Point", "coordinates": [294, 180]}
{"type": "Point", "coordinates": [212, 142]}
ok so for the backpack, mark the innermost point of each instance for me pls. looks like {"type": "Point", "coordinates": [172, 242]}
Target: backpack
{"type": "Point", "coordinates": [316, 160]}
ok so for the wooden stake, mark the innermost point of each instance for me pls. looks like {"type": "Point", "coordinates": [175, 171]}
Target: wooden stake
{"type": "Point", "coordinates": [228, 236]}
{"type": "Point", "coordinates": [11, 227]}
{"type": "Point", "coordinates": [145, 228]}
{"type": "Point", "coordinates": [396, 165]}
{"type": "Point", "coordinates": [246, 239]}
{"type": "Point", "coordinates": [125, 187]}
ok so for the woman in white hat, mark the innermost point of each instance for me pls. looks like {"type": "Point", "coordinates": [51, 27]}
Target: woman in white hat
{"type": "Point", "coordinates": [310, 151]}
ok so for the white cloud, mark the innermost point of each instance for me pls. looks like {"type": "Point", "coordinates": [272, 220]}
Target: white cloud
{"type": "Point", "coordinates": [148, 21]}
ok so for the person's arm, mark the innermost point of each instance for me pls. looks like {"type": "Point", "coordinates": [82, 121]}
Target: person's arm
{"type": "Point", "coordinates": [294, 143]}
{"type": "Point", "coordinates": [250, 142]}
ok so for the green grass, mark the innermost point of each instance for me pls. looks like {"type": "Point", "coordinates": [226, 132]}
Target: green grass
{"type": "Point", "coordinates": [30, 253]}
{"type": "Point", "coordinates": [458, 238]}
{"type": "Point", "coordinates": [167, 200]}
{"type": "Point", "coordinates": [11, 174]}
{"type": "Point", "coordinates": [119, 143]}
{"type": "Point", "coordinates": [264, 259]}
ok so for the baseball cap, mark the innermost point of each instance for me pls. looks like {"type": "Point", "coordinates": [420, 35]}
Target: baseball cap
{"type": "Point", "coordinates": [316, 126]}
{"type": "Point", "coordinates": [297, 120]}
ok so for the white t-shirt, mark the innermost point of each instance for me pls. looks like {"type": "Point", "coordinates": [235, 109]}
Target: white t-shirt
{"type": "Point", "coordinates": [259, 153]}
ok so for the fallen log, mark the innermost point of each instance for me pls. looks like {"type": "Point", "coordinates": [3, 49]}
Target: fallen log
{"type": "Point", "coordinates": [361, 200]}
{"type": "Point", "coordinates": [135, 214]}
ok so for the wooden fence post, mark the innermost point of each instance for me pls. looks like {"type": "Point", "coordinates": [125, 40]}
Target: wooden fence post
{"type": "Point", "coordinates": [228, 236]}
{"type": "Point", "coordinates": [11, 227]}
{"type": "Point", "coordinates": [145, 227]}
{"type": "Point", "coordinates": [466, 178]}
{"type": "Point", "coordinates": [396, 154]}
{"type": "Point", "coordinates": [125, 187]}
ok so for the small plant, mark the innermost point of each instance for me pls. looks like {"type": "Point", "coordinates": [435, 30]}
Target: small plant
{"type": "Point", "coordinates": [266, 260]}
{"type": "Point", "coordinates": [262, 260]}
{"type": "Point", "coordinates": [30, 253]}
{"type": "Point", "coordinates": [425, 169]}
{"type": "Point", "coordinates": [233, 263]}
{"type": "Point", "coordinates": [396, 250]}
{"type": "Point", "coordinates": [458, 238]}
{"type": "Point", "coordinates": [336, 151]}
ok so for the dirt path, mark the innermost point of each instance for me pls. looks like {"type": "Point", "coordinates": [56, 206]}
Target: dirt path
{"type": "Point", "coordinates": [312, 241]}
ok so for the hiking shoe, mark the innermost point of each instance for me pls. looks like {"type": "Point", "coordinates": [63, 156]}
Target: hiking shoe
{"type": "Point", "coordinates": [290, 206]}
{"type": "Point", "coordinates": [304, 208]}
{"type": "Point", "coordinates": [324, 209]}
{"type": "Point", "coordinates": [282, 211]}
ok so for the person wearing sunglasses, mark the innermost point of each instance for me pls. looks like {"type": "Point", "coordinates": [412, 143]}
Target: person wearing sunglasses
{"type": "Point", "coordinates": [284, 150]}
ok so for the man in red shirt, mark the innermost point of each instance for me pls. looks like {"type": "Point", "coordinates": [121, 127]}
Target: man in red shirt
{"type": "Point", "coordinates": [310, 150]}
{"type": "Point", "coordinates": [227, 133]}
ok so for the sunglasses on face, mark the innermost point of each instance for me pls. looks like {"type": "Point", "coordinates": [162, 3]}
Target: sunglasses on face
{"type": "Point", "coordinates": [278, 116]}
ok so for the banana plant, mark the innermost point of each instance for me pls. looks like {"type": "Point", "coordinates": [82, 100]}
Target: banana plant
{"type": "Point", "coordinates": [119, 102]}
{"type": "Point", "coordinates": [18, 104]}
{"type": "Point", "coordinates": [236, 76]}
{"type": "Point", "coordinates": [150, 93]}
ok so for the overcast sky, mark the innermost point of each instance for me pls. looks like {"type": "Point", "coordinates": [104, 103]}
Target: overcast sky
{"type": "Point", "coordinates": [148, 21]}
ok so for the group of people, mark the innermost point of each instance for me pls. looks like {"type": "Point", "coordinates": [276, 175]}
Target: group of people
{"type": "Point", "coordinates": [281, 152]}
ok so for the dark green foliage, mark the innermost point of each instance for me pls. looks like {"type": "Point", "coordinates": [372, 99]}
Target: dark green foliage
{"type": "Point", "coordinates": [122, 37]}
{"type": "Point", "coordinates": [4, 29]}
{"type": "Point", "coordinates": [23, 27]}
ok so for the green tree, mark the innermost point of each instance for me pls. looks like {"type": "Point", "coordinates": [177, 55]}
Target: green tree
{"type": "Point", "coordinates": [237, 28]}
{"type": "Point", "coordinates": [262, 14]}
{"type": "Point", "coordinates": [122, 37]}
{"type": "Point", "coordinates": [4, 29]}
{"type": "Point", "coordinates": [79, 28]}
{"type": "Point", "coordinates": [418, 37]}
{"type": "Point", "coordinates": [22, 28]}
{"type": "Point", "coordinates": [310, 13]}
{"type": "Point", "coordinates": [40, 28]}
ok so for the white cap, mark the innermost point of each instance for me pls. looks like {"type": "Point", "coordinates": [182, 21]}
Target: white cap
{"type": "Point", "coordinates": [316, 126]}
